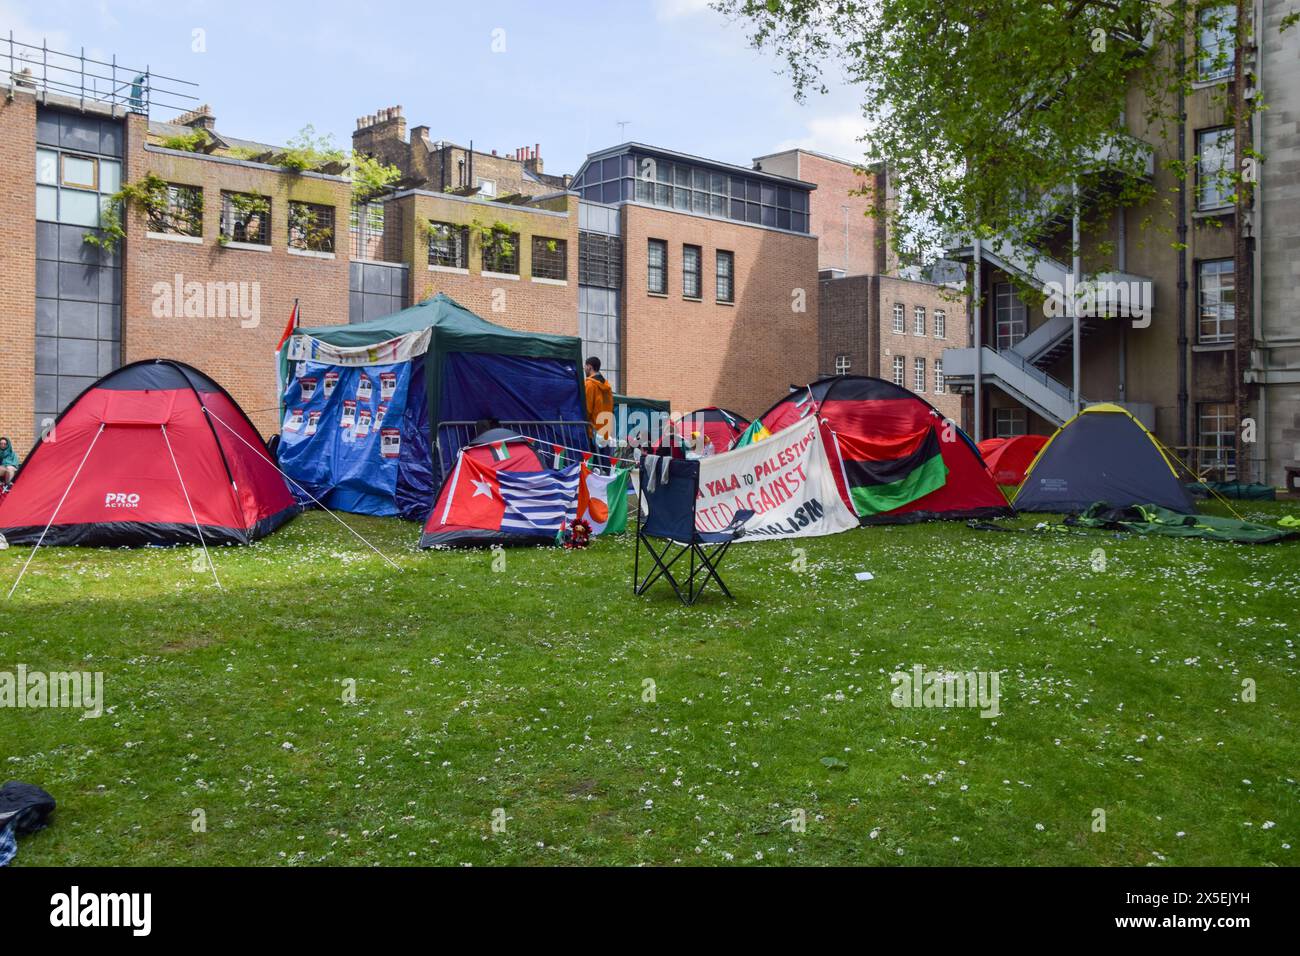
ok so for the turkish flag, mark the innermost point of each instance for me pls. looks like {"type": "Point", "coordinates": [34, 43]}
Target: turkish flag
{"type": "Point", "coordinates": [475, 498]}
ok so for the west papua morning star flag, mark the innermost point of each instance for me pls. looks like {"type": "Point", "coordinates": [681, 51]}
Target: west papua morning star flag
{"type": "Point", "coordinates": [786, 480]}
{"type": "Point", "coordinates": [480, 505]}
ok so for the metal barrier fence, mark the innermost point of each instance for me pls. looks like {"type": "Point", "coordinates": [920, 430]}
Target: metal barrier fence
{"type": "Point", "coordinates": [572, 437]}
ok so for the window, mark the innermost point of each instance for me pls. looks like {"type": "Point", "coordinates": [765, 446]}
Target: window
{"type": "Point", "coordinates": [72, 188]}
{"type": "Point", "coordinates": [918, 375]}
{"type": "Point", "coordinates": [448, 245]}
{"type": "Point", "coordinates": [1217, 439]}
{"type": "Point", "coordinates": [80, 172]}
{"type": "Point", "coordinates": [486, 187]}
{"type": "Point", "coordinates": [1216, 43]}
{"type": "Point", "coordinates": [311, 227]}
{"type": "Point", "coordinates": [183, 213]}
{"type": "Point", "coordinates": [938, 377]}
{"type": "Point", "coordinates": [1009, 422]}
{"type": "Point", "coordinates": [918, 320]}
{"type": "Point", "coordinates": [246, 217]}
{"type": "Point", "coordinates": [899, 319]}
{"type": "Point", "coordinates": [842, 364]}
{"type": "Point", "coordinates": [940, 325]}
{"type": "Point", "coordinates": [366, 222]}
{"type": "Point", "coordinates": [1215, 293]}
{"type": "Point", "coordinates": [501, 252]}
{"type": "Point", "coordinates": [899, 365]}
{"type": "Point", "coordinates": [1216, 156]}
{"type": "Point", "coordinates": [726, 276]}
{"type": "Point", "coordinates": [691, 272]}
{"type": "Point", "coordinates": [550, 258]}
{"type": "Point", "coordinates": [657, 267]}
{"type": "Point", "coordinates": [1009, 315]}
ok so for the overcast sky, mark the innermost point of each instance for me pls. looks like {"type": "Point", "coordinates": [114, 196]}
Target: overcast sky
{"type": "Point", "coordinates": [505, 74]}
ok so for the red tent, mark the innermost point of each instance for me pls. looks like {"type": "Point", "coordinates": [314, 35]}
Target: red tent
{"type": "Point", "coordinates": [149, 454]}
{"type": "Point", "coordinates": [896, 458]}
{"type": "Point", "coordinates": [721, 426]}
{"type": "Point", "coordinates": [1009, 458]}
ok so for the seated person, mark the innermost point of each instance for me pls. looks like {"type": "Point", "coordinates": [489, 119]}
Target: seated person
{"type": "Point", "coordinates": [8, 461]}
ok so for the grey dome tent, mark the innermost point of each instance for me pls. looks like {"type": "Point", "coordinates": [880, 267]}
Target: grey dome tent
{"type": "Point", "coordinates": [1102, 454]}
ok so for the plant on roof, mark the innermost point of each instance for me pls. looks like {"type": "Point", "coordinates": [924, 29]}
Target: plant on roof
{"type": "Point", "coordinates": [307, 151]}
{"type": "Point", "coordinates": [191, 142]}
{"type": "Point", "coordinates": [151, 193]}
{"type": "Point", "coordinates": [370, 176]}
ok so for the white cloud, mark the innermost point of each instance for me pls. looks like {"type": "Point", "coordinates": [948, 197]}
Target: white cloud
{"type": "Point", "coordinates": [836, 135]}
{"type": "Point", "coordinates": [678, 9]}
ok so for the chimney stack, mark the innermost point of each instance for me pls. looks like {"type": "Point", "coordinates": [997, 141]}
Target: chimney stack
{"type": "Point", "coordinates": [533, 159]}
{"type": "Point", "coordinates": [384, 124]}
{"type": "Point", "coordinates": [198, 118]}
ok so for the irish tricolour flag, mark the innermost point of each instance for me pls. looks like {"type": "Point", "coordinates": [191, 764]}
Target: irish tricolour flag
{"type": "Point", "coordinates": [602, 501]}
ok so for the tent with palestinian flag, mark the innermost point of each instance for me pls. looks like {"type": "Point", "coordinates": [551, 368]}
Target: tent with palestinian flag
{"type": "Point", "coordinates": [722, 427]}
{"type": "Point", "coordinates": [896, 458]}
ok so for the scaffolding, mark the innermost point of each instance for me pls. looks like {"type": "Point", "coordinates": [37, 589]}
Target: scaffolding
{"type": "Point", "coordinates": [77, 78]}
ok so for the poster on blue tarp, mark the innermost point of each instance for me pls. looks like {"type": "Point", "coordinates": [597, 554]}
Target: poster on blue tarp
{"type": "Point", "coordinates": [341, 434]}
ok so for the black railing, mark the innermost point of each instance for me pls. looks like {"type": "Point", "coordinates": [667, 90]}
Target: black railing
{"type": "Point", "coordinates": [572, 438]}
{"type": "Point", "coordinates": [89, 81]}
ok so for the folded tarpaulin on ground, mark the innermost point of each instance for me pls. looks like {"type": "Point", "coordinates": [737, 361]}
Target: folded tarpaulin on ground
{"type": "Point", "coordinates": [1233, 489]}
{"type": "Point", "coordinates": [23, 809]}
{"type": "Point", "coordinates": [1152, 519]}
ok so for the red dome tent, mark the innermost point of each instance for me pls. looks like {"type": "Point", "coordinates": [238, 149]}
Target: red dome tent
{"type": "Point", "coordinates": [896, 458]}
{"type": "Point", "coordinates": [1009, 458]}
{"type": "Point", "coordinates": [153, 453]}
{"type": "Point", "coordinates": [721, 426]}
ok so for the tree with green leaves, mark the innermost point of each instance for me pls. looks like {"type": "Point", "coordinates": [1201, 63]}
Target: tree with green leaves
{"type": "Point", "coordinates": [989, 113]}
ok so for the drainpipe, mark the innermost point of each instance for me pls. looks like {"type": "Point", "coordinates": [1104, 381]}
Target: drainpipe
{"type": "Point", "coordinates": [1122, 265]}
{"type": "Point", "coordinates": [1257, 272]}
{"type": "Point", "coordinates": [977, 328]}
{"type": "Point", "coordinates": [1182, 233]}
{"type": "Point", "coordinates": [1075, 264]}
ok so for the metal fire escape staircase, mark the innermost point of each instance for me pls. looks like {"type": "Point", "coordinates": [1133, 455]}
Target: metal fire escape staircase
{"type": "Point", "coordinates": [1020, 370]}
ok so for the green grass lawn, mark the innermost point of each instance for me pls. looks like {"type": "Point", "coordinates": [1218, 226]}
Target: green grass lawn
{"type": "Point", "coordinates": [523, 689]}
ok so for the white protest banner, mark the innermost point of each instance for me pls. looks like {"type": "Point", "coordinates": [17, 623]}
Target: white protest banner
{"type": "Point", "coordinates": [786, 480]}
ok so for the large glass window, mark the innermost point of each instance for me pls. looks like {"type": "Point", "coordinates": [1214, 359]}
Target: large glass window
{"type": "Point", "coordinates": [900, 322]}
{"type": "Point", "coordinates": [183, 213]}
{"type": "Point", "coordinates": [550, 258]}
{"type": "Point", "coordinates": [1216, 43]}
{"type": "Point", "coordinates": [918, 375]}
{"type": "Point", "coordinates": [448, 245]}
{"type": "Point", "coordinates": [939, 386]}
{"type": "Point", "coordinates": [918, 320]}
{"type": "Point", "coordinates": [1216, 154]}
{"type": "Point", "coordinates": [72, 188]}
{"type": "Point", "coordinates": [657, 266]}
{"type": "Point", "coordinates": [688, 187]}
{"type": "Point", "coordinates": [1217, 440]}
{"type": "Point", "coordinates": [246, 217]}
{"type": "Point", "coordinates": [1216, 290]}
{"type": "Point", "coordinates": [501, 252]}
{"type": "Point", "coordinates": [940, 325]}
{"type": "Point", "coordinates": [1009, 314]}
{"type": "Point", "coordinates": [311, 227]}
{"type": "Point", "coordinates": [1009, 422]}
{"type": "Point", "coordinates": [900, 366]}
{"type": "Point", "coordinates": [726, 276]}
{"type": "Point", "coordinates": [691, 272]}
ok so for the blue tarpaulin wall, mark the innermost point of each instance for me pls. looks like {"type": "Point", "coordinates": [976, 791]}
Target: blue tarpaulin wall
{"type": "Point", "coordinates": [477, 386]}
{"type": "Point", "coordinates": [345, 434]}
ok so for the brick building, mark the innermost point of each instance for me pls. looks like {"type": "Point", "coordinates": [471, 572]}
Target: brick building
{"type": "Point", "coordinates": [715, 301]}
{"type": "Point", "coordinates": [872, 320]}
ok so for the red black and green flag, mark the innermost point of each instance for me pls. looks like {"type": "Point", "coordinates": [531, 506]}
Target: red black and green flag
{"type": "Point", "coordinates": [884, 472]}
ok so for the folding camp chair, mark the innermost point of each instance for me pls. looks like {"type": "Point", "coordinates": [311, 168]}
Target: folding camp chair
{"type": "Point", "coordinates": [667, 501]}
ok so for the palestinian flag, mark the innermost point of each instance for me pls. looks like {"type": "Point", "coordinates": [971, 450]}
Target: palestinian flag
{"type": "Point", "coordinates": [500, 451]}
{"type": "Point", "coordinates": [602, 501]}
{"type": "Point", "coordinates": [884, 472]}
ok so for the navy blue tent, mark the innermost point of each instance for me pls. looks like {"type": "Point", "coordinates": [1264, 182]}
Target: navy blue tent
{"type": "Point", "coordinates": [1102, 454]}
{"type": "Point", "coordinates": [363, 404]}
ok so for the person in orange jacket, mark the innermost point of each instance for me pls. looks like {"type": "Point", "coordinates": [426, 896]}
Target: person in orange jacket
{"type": "Point", "coordinates": [600, 400]}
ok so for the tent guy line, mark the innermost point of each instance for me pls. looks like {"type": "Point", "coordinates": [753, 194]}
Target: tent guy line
{"type": "Point", "coordinates": [207, 411]}
{"type": "Point", "coordinates": [55, 514]}
{"type": "Point", "coordinates": [189, 504]}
